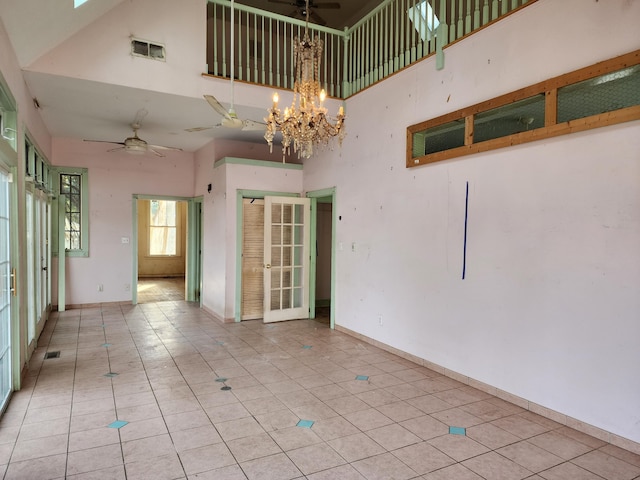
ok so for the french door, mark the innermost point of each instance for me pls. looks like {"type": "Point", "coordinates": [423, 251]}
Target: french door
{"type": "Point", "coordinates": [7, 282]}
{"type": "Point", "coordinates": [286, 258]}
{"type": "Point", "coordinates": [38, 262]}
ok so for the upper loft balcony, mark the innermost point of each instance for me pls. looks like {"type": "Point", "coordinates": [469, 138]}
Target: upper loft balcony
{"type": "Point", "coordinates": [390, 37]}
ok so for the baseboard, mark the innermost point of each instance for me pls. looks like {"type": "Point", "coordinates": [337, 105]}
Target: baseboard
{"type": "Point", "coordinates": [218, 317]}
{"type": "Point", "coordinates": [557, 417]}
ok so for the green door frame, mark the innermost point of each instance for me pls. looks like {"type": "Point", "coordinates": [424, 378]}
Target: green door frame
{"type": "Point", "coordinates": [314, 196]}
{"type": "Point", "coordinates": [240, 195]}
{"type": "Point", "coordinates": [193, 277]}
{"type": "Point", "coordinates": [193, 261]}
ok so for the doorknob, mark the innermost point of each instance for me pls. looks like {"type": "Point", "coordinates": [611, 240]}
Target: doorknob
{"type": "Point", "coordinates": [267, 266]}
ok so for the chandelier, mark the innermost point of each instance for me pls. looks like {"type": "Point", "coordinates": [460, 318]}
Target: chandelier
{"type": "Point", "coordinates": [305, 123]}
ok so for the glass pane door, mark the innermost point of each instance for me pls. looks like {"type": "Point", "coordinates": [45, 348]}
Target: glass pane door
{"type": "Point", "coordinates": [286, 258]}
{"type": "Point", "coordinates": [31, 287]}
{"type": "Point", "coordinates": [5, 292]}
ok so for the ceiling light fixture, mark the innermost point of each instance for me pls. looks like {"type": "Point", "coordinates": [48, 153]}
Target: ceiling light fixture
{"type": "Point", "coordinates": [305, 123]}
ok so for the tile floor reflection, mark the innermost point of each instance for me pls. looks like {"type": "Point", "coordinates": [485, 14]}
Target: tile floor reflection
{"type": "Point", "coordinates": [160, 367]}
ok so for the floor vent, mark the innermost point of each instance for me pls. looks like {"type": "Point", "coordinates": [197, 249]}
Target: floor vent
{"type": "Point", "coordinates": [142, 48]}
{"type": "Point", "coordinates": [49, 355]}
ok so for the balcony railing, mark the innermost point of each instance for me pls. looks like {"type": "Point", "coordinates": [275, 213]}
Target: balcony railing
{"type": "Point", "coordinates": [394, 35]}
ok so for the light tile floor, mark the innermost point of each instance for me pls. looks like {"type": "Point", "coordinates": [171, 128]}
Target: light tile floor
{"type": "Point", "coordinates": [160, 289]}
{"type": "Point", "coordinates": [160, 368]}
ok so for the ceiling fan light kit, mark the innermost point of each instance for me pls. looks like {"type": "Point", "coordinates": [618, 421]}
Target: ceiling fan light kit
{"type": "Point", "coordinates": [305, 123]}
{"type": "Point", "coordinates": [135, 145]}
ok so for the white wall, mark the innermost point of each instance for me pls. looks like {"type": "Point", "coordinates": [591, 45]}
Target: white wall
{"type": "Point", "coordinates": [113, 180]}
{"type": "Point", "coordinates": [184, 38]}
{"type": "Point", "coordinates": [220, 223]}
{"type": "Point", "coordinates": [550, 305]}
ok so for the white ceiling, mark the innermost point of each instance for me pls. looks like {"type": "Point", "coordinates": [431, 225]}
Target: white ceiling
{"type": "Point", "coordinates": [83, 109]}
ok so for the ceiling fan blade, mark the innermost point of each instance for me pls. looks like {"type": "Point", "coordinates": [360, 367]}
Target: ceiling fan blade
{"type": "Point", "coordinates": [157, 154]}
{"type": "Point", "coordinates": [324, 5]}
{"type": "Point", "coordinates": [198, 129]}
{"type": "Point", "coordinates": [116, 149]}
{"type": "Point", "coordinates": [252, 125]}
{"type": "Point", "coordinates": [105, 141]}
{"type": "Point", "coordinates": [162, 147]}
{"type": "Point", "coordinates": [232, 122]}
{"type": "Point", "coordinates": [217, 106]}
{"type": "Point", "coordinates": [282, 2]}
{"type": "Point", "coordinates": [317, 18]}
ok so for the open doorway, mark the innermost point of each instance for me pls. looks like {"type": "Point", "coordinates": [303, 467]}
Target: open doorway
{"type": "Point", "coordinates": [162, 250]}
{"type": "Point", "coordinates": [324, 255]}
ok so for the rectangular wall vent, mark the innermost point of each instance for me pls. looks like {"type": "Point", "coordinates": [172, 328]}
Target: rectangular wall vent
{"type": "Point", "coordinates": [142, 48]}
{"type": "Point", "coordinates": [52, 355]}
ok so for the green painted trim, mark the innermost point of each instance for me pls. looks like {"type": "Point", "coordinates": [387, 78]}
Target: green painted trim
{"type": "Point", "coordinates": [313, 257]}
{"type": "Point", "coordinates": [134, 250]}
{"type": "Point", "coordinates": [84, 234]}
{"type": "Point", "coordinates": [161, 197]}
{"type": "Point", "coordinates": [255, 163]}
{"type": "Point", "coordinates": [241, 194]}
{"type": "Point", "coordinates": [193, 275]}
{"type": "Point", "coordinates": [281, 18]}
{"type": "Point", "coordinates": [62, 259]}
{"type": "Point", "coordinates": [330, 192]}
{"type": "Point", "coordinates": [15, 302]}
{"type": "Point", "coordinates": [237, 308]}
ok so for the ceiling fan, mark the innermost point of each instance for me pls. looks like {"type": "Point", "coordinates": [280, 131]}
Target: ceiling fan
{"type": "Point", "coordinates": [135, 144]}
{"type": "Point", "coordinates": [229, 117]}
{"type": "Point", "coordinates": [302, 6]}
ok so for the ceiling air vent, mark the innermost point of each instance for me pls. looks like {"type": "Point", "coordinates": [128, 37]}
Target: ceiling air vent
{"type": "Point", "coordinates": [142, 48]}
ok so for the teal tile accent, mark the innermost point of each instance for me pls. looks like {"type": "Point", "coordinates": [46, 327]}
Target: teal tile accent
{"type": "Point", "coordinates": [305, 423]}
{"type": "Point", "coordinates": [118, 424]}
{"type": "Point", "coordinates": [106, 345]}
{"type": "Point", "coordinates": [362, 377]}
{"type": "Point", "coordinates": [111, 374]}
{"type": "Point", "coordinates": [457, 430]}
{"type": "Point", "coordinates": [226, 387]}
{"type": "Point", "coordinates": [221, 379]}
{"type": "Point", "coordinates": [307, 346]}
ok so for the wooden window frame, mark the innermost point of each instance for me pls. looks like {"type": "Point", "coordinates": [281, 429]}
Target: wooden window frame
{"type": "Point", "coordinates": [551, 128]}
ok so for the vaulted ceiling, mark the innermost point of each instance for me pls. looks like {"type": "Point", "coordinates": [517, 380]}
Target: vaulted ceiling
{"type": "Point", "coordinates": [75, 107]}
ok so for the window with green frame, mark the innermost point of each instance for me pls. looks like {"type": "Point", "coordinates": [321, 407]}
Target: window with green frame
{"type": "Point", "coordinates": [72, 184]}
{"type": "Point", "coordinates": [7, 116]}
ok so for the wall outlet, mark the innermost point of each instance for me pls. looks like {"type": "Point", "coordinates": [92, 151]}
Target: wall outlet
{"type": "Point", "coordinates": [127, 287]}
{"type": "Point", "coordinates": [380, 319]}
{"type": "Point", "coordinates": [100, 287]}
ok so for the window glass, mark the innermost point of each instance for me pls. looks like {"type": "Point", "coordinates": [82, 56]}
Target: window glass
{"type": "Point", "coordinates": [162, 228]}
{"type": "Point", "coordinates": [71, 187]}
{"type": "Point", "coordinates": [606, 93]}
{"type": "Point", "coordinates": [516, 117]}
{"type": "Point", "coordinates": [436, 139]}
